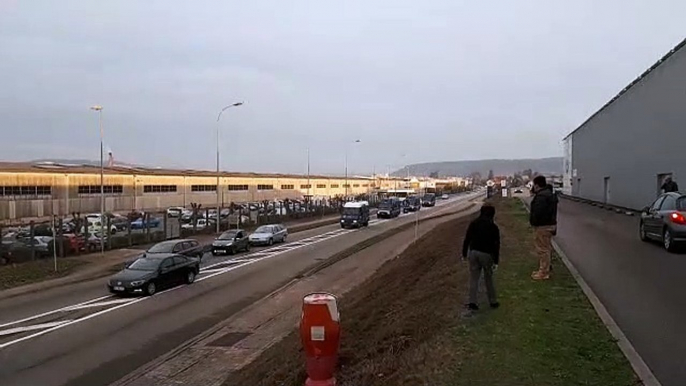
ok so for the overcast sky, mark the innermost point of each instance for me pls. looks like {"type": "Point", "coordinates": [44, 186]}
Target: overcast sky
{"type": "Point", "coordinates": [434, 80]}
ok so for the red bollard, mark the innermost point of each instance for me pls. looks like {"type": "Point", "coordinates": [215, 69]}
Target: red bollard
{"type": "Point", "coordinates": [320, 335]}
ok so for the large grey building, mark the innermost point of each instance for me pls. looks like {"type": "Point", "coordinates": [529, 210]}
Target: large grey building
{"type": "Point", "coordinates": [622, 153]}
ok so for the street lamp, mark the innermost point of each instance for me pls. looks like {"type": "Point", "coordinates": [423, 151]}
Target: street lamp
{"type": "Point", "coordinates": [218, 187]}
{"type": "Point", "coordinates": [346, 167]}
{"type": "Point", "coordinates": [98, 108]}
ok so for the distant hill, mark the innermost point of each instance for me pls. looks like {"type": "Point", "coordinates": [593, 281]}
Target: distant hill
{"type": "Point", "coordinates": [80, 162]}
{"type": "Point", "coordinates": [551, 165]}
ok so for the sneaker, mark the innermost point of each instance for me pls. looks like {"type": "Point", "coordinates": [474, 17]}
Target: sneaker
{"type": "Point", "coordinates": [473, 306]}
{"type": "Point", "coordinates": [538, 275]}
{"type": "Point", "coordinates": [495, 305]}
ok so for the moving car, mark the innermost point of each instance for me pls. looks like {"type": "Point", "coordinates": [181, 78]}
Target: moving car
{"type": "Point", "coordinates": [355, 214]}
{"type": "Point", "coordinates": [269, 234]}
{"type": "Point", "coordinates": [412, 204]}
{"type": "Point", "coordinates": [445, 197]}
{"type": "Point", "coordinates": [665, 221]}
{"type": "Point", "coordinates": [429, 199]}
{"type": "Point", "coordinates": [150, 274]}
{"type": "Point", "coordinates": [231, 242]}
{"type": "Point", "coordinates": [186, 247]}
{"type": "Point", "coordinates": [389, 208]}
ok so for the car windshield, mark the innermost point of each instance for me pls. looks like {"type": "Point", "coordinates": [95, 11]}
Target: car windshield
{"type": "Point", "coordinates": [351, 211]}
{"type": "Point", "coordinates": [386, 204]}
{"type": "Point", "coordinates": [145, 264]}
{"type": "Point", "coordinates": [162, 248]}
{"type": "Point", "coordinates": [227, 236]}
{"type": "Point", "coordinates": [429, 196]}
{"type": "Point", "coordinates": [264, 229]}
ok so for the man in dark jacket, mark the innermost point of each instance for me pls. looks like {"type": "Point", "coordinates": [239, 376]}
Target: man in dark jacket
{"type": "Point", "coordinates": [543, 217]}
{"type": "Point", "coordinates": [482, 247]}
{"type": "Point", "coordinates": [670, 185]}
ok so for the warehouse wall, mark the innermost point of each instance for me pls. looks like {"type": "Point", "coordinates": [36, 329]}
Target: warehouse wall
{"type": "Point", "coordinates": [635, 138]}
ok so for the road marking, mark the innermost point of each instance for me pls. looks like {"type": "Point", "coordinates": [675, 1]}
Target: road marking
{"type": "Point", "coordinates": [53, 311]}
{"type": "Point", "coordinates": [41, 326]}
{"type": "Point", "coordinates": [98, 304]}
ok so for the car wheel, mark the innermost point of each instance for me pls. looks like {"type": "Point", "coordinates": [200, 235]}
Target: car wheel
{"type": "Point", "coordinates": [113, 231]}
{"type": "Point", "coordinates": [668, 241]}
{"type": "Point", "coordinates": [232, 251]}
{"type": "Point", "coordinates": [190, 277]}
{"type": "Point", "coordinates": [247, 247]}
{"type": "Point", "coordinates": [642, 232]}
{"type": "Point", "coordinates": [214, 253]}
{"type": "Point", "coordinates": [271, 242]}
{"type": "Point", "coordinates": [283, 240]}
{"type": "Point", "coordinates": [150, 289]}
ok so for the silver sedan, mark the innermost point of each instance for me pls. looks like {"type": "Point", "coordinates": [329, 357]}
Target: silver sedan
{"type": "Point", "coordinates": [269, 234]}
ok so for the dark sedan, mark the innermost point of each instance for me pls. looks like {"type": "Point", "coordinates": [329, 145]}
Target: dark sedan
{"type": "Point", "coordinates": [665, 221]}
{"type": "Point", "coordinates": [231, 242]}
{"type": "Point", "coordinates": [148, 275]}
{"type": "Point", "coordinates": [187, 247]}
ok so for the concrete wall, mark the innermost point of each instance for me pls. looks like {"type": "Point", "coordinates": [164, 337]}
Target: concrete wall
{"type": "Point", "coordinates": [635, 138]}
{"type": "Point", "coordinates": [65, 197]}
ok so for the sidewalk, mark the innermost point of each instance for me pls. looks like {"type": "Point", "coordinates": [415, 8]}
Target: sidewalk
{"type": "Point", "coordinates": [103, 265]}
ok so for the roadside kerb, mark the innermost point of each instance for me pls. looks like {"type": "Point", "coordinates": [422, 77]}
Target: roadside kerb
{"type": "Point", "coordinates": [147, 368]}
{"type": "Point", "coordinates": [637, 363]}
{"type": "Point", "coordinates": [101, 270]}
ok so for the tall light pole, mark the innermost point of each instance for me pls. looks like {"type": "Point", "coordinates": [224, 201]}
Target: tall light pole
{"type": "Point", "coordinates": [98, 108]}
{"type": "Point", "coordinates": [218, 186]}
{"type": "Point", "coordinates": [308, 177]}
{"type": "Point", "coordinates": [346, 167]}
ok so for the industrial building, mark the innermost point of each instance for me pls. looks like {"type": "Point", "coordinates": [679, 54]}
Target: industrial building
{"type": "Point", "coordinates": [622, 153]}
{"type": "Point", "coordinates": [45, 189]}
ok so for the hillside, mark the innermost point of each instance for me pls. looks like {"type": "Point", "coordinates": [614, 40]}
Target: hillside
{"type": "Point", "coordinates": [551, 165]}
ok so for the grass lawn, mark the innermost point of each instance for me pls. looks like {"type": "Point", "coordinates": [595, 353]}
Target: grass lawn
{"type": "Point", "coordinates": [35, 271]}
{"type": "Point", "coordinates": [406, 325]}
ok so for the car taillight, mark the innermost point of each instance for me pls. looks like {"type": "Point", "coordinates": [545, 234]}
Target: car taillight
{"type": "Point", "coordinates": [678, 218]}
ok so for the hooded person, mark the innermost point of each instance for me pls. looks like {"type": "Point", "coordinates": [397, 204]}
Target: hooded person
{"type": "Point", "coordinates": [482, 248]}
{"type": "Point", "coordinates": [543, 217]}
{"type": "Point", "coordinates": [669, 185]}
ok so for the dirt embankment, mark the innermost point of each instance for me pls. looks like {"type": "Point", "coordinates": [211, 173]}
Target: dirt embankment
{"type": "Point", "coordinates": [387, 321]}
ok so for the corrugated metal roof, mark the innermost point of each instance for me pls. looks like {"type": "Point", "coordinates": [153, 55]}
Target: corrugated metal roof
{"type": "Point", "coordinates": [630, 85]}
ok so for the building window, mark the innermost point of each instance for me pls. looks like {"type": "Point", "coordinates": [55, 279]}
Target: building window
{"type": "Point", "coordinates": [95, 189]}
{"type": "Point", "coordinates": [159, 188]}
{"type": "Point", "coordinates": [203, 188]}
{"type": "Point", "coordinates": [334, 186]}
{"type": "Point", "coordinates": [287, 187]}
{"type": "Point", "coordinates": [265, 187]}
{"type": "Point", "coordinates": [356, 185]}
{"type": "Point", "coordinates": [41, 190]}
{"type": "Point", "coordinates": [321, 186]}
{"type": "Point", "coordinates": [306, 186]}
{"type": "Point", "coordinates": [346, 185]}
{"type": "Point", "coordinates": [234, 188]}
{"type": "Point", "coordinates": [365, 185]}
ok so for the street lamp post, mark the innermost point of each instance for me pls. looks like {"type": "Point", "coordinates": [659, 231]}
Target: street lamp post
{"type": "Point", "coordinates": [218, 186]}
{"type": "Point", "coordinates": [98, 108]}
{"type": "Point", "coordinates": [346, 168]}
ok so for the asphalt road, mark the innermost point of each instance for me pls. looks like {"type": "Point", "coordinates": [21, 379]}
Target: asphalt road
{"type": "Point", "coordinates": [641, 285]}
{"type": "Point", "coordinates": [80, 335]}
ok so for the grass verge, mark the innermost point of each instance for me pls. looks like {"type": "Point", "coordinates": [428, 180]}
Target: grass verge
{"type": "Point", "coordinates": [34, 271]}
{"type": "Point", "coordinates": [405, 326]}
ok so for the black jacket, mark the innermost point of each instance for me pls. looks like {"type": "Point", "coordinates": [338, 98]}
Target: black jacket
{"type": "Point", "coordinates": [483, 236]}
{"type": "Point", "coordinates": [544, 208]}
{"type": "Point", "coordinates": [670, 186]}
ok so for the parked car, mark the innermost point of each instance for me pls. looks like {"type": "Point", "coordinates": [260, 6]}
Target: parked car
{"type": "Point", "coordinates": [388, 208]}
{"type": "Point", "coordinates": [355, 214]}
{"type": "Point", "coordinates": [175, 211]}
{"type": "Point", "coordinates": [665, 221]}
{"type": "Point", "coordinates": [148, 275]}
{"type": "Point", "coordinates": [429, 199]}
{"type": "Point", "coordinates": [152, 222]}
{"type": "Point", "coordinates": [269, 234]}
{"type": "Point", "coordinates": [96, 226]}
{"type": "Point", "coordinates": [445, 197]}
{"type": "Point", "coordinates": [231, 242]}
{"type": "Point", "coordinates": [200, 224]}
{"type": "Point", "coordinates": [186, 247]}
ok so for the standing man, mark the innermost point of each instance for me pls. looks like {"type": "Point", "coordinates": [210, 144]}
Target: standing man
{"type": "Point", "coordinates": [482, 247]}
{"type": "Point", "coordinates": [543, 218]}
{"type": "Point", "coordinates": [669, 185]}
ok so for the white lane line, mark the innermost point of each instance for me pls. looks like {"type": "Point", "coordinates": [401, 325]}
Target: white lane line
{"type": "Point", "coordinates": [53, 311]}
{"type": "Point", "coordinates": [34, 327]}
{"type": "Point", "coordinates": [98, 304]}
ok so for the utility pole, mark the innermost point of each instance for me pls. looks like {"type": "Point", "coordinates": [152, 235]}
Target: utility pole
{"type": "Point", "coordinates": [98, 108]}
{"type": "Point", "coordinates": [219, 186]}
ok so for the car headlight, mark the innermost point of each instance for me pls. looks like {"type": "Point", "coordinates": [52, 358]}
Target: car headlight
{"type": "Point", "coordinates": [342, 220]}
{"type": "Point", "coordinates": [137, 283]}
{"type": "Point", "coordinates": [354, 221]}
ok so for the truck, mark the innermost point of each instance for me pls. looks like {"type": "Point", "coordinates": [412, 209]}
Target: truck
{"type": "Point", "coordinates": [355, 214]}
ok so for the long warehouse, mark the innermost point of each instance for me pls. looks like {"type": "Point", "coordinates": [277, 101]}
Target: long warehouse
{"type": "Point", "coordinates": [623, 153]}
{"type": "Point", "coordinates": [38, 190]}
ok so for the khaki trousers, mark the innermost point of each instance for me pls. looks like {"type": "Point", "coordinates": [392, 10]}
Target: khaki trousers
{"type": "Point", "coordinates": [543, 236]}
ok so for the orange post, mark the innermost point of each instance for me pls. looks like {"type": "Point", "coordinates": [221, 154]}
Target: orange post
{"type": "Point", "coordinates": [320, 335]}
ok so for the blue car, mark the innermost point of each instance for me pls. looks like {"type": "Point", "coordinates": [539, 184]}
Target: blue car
{"type": "Point", "coordinates": [141, 224]}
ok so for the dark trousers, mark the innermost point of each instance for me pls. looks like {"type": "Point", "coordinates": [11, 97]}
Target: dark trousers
{"type": "Point", "coordinates": [480, 261]}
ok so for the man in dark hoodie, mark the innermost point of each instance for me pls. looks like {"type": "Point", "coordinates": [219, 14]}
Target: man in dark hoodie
{"type": "Point", "coordinates": [482, 247]}
{"type": "Point", "coordinates": [543, 218]}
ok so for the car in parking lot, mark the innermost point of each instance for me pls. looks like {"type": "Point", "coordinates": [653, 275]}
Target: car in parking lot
{"type": "Point", "coordinates": [148, 275]}
{"type": "Point", "coordinates": [665, 221]}
{"type": "Point", "coordinates": [186, 247]}
{"type": "Point", "coordinates": [152, 222]}
{"type": "Point", "coordinates": [269, 234]}
{"type": "Point", "coordinates": [231, 242]}
{"type": "Point", "coordinates": [445, 197]}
